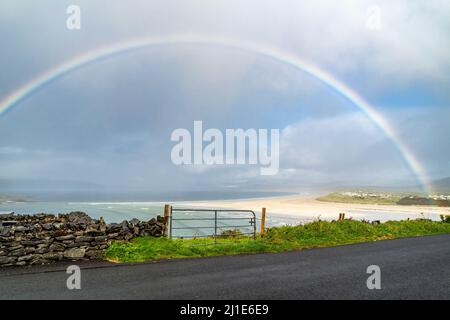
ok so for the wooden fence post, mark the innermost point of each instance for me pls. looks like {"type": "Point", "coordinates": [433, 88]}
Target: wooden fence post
{"type": "Point", "coordinates": [166, 219]}
{"type": "Point", "coordinates": [263, 221]}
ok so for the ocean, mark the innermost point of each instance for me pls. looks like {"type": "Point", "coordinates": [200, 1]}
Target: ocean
{"type": "Point", "coordinates": [119, 211]}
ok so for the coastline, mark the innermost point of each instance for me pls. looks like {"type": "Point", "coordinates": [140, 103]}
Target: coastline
{"type": "Point", "coordinates": [291, 209]}
{"type": "Point", "coordinates": [307, 206]}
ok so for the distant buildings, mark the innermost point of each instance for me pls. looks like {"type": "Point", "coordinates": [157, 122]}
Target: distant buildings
{"type": "Point", "coordinates": [440, 197]}
{"type": "Point", "coordinates": [441, 200]}
{"type": "Point", "coordinates": [361, 194]}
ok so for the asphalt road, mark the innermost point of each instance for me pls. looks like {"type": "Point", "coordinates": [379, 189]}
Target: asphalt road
{"type": "Point", "coordinates": [413, 268]}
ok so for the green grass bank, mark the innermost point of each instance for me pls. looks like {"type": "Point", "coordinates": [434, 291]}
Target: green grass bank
{"type": "Point", "coordinates": [342, 198]}
{"type": "Point", "coordinates": [277, 239]}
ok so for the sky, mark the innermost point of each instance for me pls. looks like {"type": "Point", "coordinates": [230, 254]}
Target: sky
{"type": "Point", "coordinates": [108, 125]}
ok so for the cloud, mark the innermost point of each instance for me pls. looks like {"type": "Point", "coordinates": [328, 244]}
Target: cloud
{"type": "Point", "coordinates": [410, 46]}
{"type": "Point", "coordinates": [7, 150]}
{"type": "Point", "coordinates": [111, 121]}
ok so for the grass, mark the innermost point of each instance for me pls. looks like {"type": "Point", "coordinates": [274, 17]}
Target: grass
{"type": "Point", "coordinates": [277, 239]}
{"type": "Point", "coordinates": [342, 198]}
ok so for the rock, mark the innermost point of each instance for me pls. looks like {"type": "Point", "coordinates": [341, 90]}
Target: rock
{"type": "Point", "coordinates": [41, 250]}
{"type": "Point", "coordinates": [125, 231]}
{"type": "Point", "coordinates": [52, 255]}
{"type": "Point", "coordinates": [91, 228]}
{"type": "Point", "coordinates": [94, 254]}
{"type": "Point", "coordinates": [29, 250]}
{"type": "Point", "coordinates": [84, 239]}
{"type": "Point", "coordinates": [26, 258]}
{"type": "Point", "coordinates": [60, 233]}
{"type": "Point", "coordinates": [160, 219]}
{"type": "Point", "coordinates": [5, 232]}
{"type": "Point", "coordinates": [124, 225]}
{"type": "Point", "coordinates": [113, 227]}
{"type": "Point", "coordinates": [74, 253]}
{"type": "Point", "coordinates": [134, 222]}
{"type": "Point", "coordinates": [42, 238]}
{"type": "Point", "coordinates": [57, 247]}
{"type": "Point", "coordinates": [67, 237]}
{"type": "Point", "coordinates": [33, 242]}
{"type": "Point", "coordinates": [128, 236]}
{"type": "Point", "coordinates": [95, 230]}
{"type": "Point", "coordinates": [7, 216]}
{"type": "Point", "coordinates": [58, 225]}
{"type": "Point", "coordinates": [21, 229]}
{"type": "Point", "coordinates": [78, 217]}
{"type": "Point", "coordinates": [5, 239]}
{"type": "Point", "coordinates": [39, 260]}
{"type": "Point", "coordinates": [17, 253]}
{"type": "Point", "coordinates": [78, 244]}
{"type": "Point", "coordinates": [6, 260]}
{"type": "Point", "coordinates": [47, 226]}
{"type": "Point", "coordinates": [15, 247]}
{"type": "Point", "coordinates": [80, 226]}
{"type": "Point", "coordinates": [101, 238]}
{"type": "Point", "coordinates": [12, 243]}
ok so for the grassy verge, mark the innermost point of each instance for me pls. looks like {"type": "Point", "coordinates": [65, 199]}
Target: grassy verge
{"type": "Point", "coordinates": [342, 198]}
{"type": "Point", "coordinates": [277, 239]}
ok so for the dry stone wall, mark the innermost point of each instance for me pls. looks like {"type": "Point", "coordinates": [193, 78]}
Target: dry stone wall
{"type": "Point", "coordinates": [45, 238]}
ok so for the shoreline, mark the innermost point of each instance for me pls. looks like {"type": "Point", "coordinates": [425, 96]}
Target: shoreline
{"type": "Point", "coordinates": [307, 206]}
{"type": "Point", "coordinates": [292, 208]}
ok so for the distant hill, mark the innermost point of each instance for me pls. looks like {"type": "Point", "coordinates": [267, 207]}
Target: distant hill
{"type": "Point", "coordinates": [441, 185]}
{"type": "Point", "coordinates": [421, 201]}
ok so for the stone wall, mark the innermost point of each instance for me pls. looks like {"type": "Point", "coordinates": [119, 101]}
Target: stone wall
{"type": "Point", "coordinates": [45, 238]}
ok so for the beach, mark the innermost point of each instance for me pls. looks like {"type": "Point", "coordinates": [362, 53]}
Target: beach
{"type": "Point", "coordinates": [292, 209]}
{"type": "Point", "coordinates": [305, 208]}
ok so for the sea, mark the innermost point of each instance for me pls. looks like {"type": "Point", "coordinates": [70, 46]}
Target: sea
{"type": "Point", "coordinates": [190, 222]}
{"type": "Point", "coordinates": [186, 224]}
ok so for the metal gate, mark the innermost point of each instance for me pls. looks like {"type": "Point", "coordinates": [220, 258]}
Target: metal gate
{"type": "Point", "coordinates": [246, 222]}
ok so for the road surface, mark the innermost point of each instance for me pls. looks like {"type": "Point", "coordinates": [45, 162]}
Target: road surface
{"type": "Point", "coordinates": [412, 268]}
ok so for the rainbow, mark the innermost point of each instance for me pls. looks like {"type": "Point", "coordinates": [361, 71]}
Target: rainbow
{"type": "Point", "coordinates": [95, 55]}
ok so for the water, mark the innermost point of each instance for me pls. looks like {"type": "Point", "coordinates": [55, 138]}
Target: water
{"type": "Point", "coordinates": [119, 211]}
{"type": "Point", "coordinates": [111, 212]}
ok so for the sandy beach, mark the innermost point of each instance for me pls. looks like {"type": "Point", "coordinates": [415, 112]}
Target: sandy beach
{"type": "Point", "coordinates": [308, 208]}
